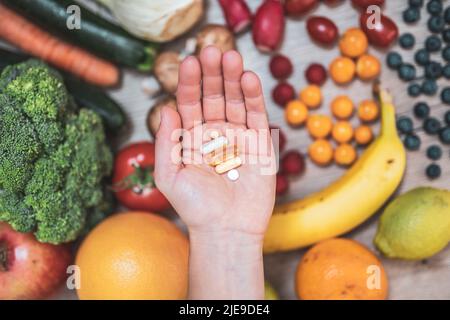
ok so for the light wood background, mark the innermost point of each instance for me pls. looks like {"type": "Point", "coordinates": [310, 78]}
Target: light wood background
{"type": "Point", "coordinates": [408, 280]}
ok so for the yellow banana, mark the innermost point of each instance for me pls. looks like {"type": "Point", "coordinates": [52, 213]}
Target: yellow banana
{"type": "Point", "coordinates": [350, 200]}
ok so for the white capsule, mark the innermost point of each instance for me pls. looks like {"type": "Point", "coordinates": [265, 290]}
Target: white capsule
{"type": "Point", "coordinates": [233, 175]}
{"type": "Point", "coordinates": [217, 143]}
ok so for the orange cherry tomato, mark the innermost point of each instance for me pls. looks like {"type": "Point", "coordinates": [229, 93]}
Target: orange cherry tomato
{"type": "Point", "coordinates": [363, 135]}
{"type": "Point", "coordinates": [311, 96]}
{"type": "Point", "coordinates": [368, 111]}
{"type": "Point", "coordinates": [319, 125]}
{"type": "Point", "coordinates": [368, 67]}
{"type": "Point", "coordinates": [321, 152]}
{"type": "Point", "coordinates": [296, 113]}
{"type": "Point", "coordinates": [342, 132]}
{"type": "Point", "coordinates": [342, 107]}
{"type": "Point", "coordinates": [342, 70]}
{"type": "Point", "coordinates": [345, 154]}
{"type": "Point", "coordinates": [353, 43]}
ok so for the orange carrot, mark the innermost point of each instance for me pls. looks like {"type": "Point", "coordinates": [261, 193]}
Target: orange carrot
{"type": "Point", "coordinates": [37, 42]}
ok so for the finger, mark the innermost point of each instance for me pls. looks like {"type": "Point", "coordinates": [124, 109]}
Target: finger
{"type": "Point", "coordinates": [232, 72]}
{"type": "Point", "coordinates": [213, 99]}
{"type": "Point", "coordinates": [254, 101]}
{"type": "Point", "coordinates": [168, 149]}
{"type": "Point", "coordinates": [189, 92]}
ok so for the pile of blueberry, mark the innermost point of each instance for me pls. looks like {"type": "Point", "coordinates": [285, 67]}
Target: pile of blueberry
{"type": "Point", "coordinates": [438, 41]}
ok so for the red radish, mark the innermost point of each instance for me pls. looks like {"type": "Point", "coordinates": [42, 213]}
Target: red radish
{"type": "Point", "coordinates": [283, 93]}
{"type": "Point", "coordinates": [322, 30]}
{"type": "Point", "coordinates": [268, 26]}
{"type": "Point", "coordinates": [380, 32]}
{"type": "Point", "coordinates": [299, 7]}
{"type": "Point", "coordinates": [237, 14]}
{"type": "Point", "coordinates": [332, 2]}
{"type": "Point", "coordinates": [281, 138]}
{"type": "Point", "coordinates": [363, 4]}
{"type": "Point", "coordinates": [316, 74]}
{"type": "Point", "coordinates": [280, 67]}
{"type": "Point", "coordinates": [282, 184]}
{"type": "Point", "coordinates": [293, 163]}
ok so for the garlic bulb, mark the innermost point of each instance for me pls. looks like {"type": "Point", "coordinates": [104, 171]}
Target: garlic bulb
{"type": "Point", "coordinates": [156, 20]}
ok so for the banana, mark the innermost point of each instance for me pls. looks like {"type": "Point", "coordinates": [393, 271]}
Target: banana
{"type": "Point", "coordinates": [347, 202]}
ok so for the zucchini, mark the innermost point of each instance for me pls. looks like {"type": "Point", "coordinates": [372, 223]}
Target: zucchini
{"type": "Point", "coordinates": [96, 34]}
{"type": "Point", "coordinates": [86, 96]}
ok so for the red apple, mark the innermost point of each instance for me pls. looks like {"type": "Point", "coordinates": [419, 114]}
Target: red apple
{"type": "Point", "coordinates": [29, 269]}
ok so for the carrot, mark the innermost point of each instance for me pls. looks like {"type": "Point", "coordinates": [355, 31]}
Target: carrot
{"type": "Point", "coordinates": [37, 42]}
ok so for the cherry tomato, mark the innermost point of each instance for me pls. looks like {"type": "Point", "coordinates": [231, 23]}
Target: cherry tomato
{"type": "Point", "coordinates": [299, 7]}
{"type": "Point", "coordinates": [133, 178]}
{"type": "Point", "coordinates": [322, 30]}
{"type": "Point", "coordinates": [381, 32]}
{"type": "Point", "coordinates": [363, 4]}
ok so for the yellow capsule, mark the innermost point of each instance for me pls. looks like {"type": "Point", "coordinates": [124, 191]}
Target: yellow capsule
{"type": "Point", "coordinates": [228, 165]}
{"type": "Point", "coordinates": [218, 156]}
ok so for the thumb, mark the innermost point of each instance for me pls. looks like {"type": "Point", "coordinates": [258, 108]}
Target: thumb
{"type": "Point", "coordinates": [168, 148]}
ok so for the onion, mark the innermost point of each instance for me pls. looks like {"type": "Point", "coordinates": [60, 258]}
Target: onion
{"type": "Point", "coordinates": [156, 20]}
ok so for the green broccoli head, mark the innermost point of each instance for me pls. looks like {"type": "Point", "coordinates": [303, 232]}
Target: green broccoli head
{"type": "Point", "coordinates": [53, 160]}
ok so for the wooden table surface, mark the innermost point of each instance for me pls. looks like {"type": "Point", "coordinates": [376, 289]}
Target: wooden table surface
{"type": "Point", "coordinates": [408, 280]}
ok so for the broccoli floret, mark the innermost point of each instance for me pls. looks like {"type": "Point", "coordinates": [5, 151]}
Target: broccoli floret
{"type": "Point", "coordinates": [53, 160]}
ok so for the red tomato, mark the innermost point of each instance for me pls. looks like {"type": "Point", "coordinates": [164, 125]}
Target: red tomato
{"type": "Point", "coordinates": [133, 178]}
{"type": "Point", "coordinates": [363, 4]}
{"type": "Point", "coordinates": [322, 30]}
{"type": "Point", "coordinates": [380, 33]}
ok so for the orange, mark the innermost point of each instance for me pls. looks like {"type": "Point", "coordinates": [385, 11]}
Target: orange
{"type": "Point", "coordinates": [321, 152]}
{"type": "Point", "coordinates": [296, 113]}
{"type": "Point", "coordinates": [353, 43]}
{"type": "Point", "coordinates": [368, 67]}
{"type": "Point", "coordinates": [134, 255]}
{"type": "Point", "coordinates": [319, 125]}
{"type": "Point", "coordinates": [341, 269]}
{"type": "Point", "coordinates": [342, 70]}
{"type": "Point", "coordinates": [368, 111]}
{"type": "Point", "coordinates": [363, 135]}
{"type": "Point", "coordinates": [342, 132]}
{"type": "Point", "coordinates": [342, 107]}
{"type": "Point", "coordinates": [311, 96]}
{"type": "Point", "coordinates": [345, 154]}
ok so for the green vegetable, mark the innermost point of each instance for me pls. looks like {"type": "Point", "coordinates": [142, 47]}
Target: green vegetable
{"type": "Point", "coordinates": [85, 95]}
{"type": "Point", "coordinates": [53, 157]}
{"type": "Point", "coordinates": [96, 34]}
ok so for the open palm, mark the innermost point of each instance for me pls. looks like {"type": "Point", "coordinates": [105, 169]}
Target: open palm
{"type": "Point", "coordinates": [214, 93]}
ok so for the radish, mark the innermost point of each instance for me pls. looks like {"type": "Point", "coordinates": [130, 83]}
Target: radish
{"type": "Point", "coordinates": [316, 74]}
{"type": "Point", "coordinates": [282, 184]}
{"type": "Point", "coordinates": [283, 93]}
{"type": "Point", "coordinates": [299, 7]}
{"type": "Point", "coordinates": [293, 163]}
{"type": "Point", "coordinates": [268, 26]}
{"type": "Point", "coordinates": [237, 14]}
{"type": "Point", "coordinates": [280, 67]}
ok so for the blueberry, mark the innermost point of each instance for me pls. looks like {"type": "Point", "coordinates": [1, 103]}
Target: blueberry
{"type": "Point", "coordinates": [433, 43]}
{"type": "Point", "coordinates": [416, 3]}
{"type": "Point", "coordinates": [407, 41]}
{"type": "Point", "coordinates": [412, 142]}
{"type": "Point", "coordinates": [434, 152]}
{"type": "Point", "coordinates": [436, 24]}
{"type": "Point", "coordinates": [414, 90]}
{"type": "Point", "coordinates": [447, 118]}
{"type": "Point", "coordinates": [429, 87]}
{"type": "Point", "coordinates": [447, 15]}
{"type": "Point", "coordinates": [433, 171]}
{"type": "Point", "coordinates": [405, 125]}
{"type": "Point", "coordinates": [421, 110]}
{"type": "Point", "coordinates": [431, 125]}
{"type": "Point", "coordinates": [446, 35]}
{"type": "Point", "coordinates": [411, 15]}
{"type": "Point", "coordinates": [446, 71]}
{"type": "Point", "coordinates": [434, 7]}
{"type": "Point", "coordinates": [422, 57]}
{"type": "Point", "coordinates": [446, 53]}
{"type": "Point", "coordinates": [407, 72]}
{"type": "Point", "coordinates": [444, 135]}
{"type": "Point", "coordinates": [394, 60]}
{"type": "Point", "coordinates": [433, 70]}
{"type": "Point", "coordinates": [445, 95]}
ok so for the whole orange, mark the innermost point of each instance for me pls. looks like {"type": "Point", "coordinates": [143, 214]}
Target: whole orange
{"type": "Point", "coordinates": [340, 269]}
{"type": "Point", "coordinates": [134, 255]}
